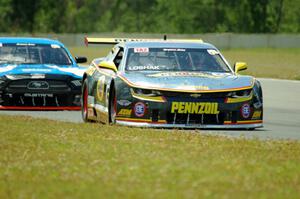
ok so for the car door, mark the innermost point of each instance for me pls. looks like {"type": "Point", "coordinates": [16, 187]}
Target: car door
{"type": "Point", "coordinates": [103, 78]}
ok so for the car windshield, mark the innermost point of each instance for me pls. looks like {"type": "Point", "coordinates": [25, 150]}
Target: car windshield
{"type": "Point", "coordinates": [33, 54]}
{"type": "Point", "coordinates": [175, 59]}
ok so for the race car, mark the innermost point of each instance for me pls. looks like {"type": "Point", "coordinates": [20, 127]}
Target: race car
{"type": "Point", "coordinates": [38, 74]}
{"type": "Point", "coordinates": [169, 83]}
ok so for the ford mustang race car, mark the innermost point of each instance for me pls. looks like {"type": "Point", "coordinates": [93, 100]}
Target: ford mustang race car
{"type": "Point", "coordinates": [169, 83]}
{"type": "Point", "coordinates": [38, 74]}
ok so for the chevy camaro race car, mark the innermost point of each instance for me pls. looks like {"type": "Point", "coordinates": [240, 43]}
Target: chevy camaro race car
{"type": "Point", "coordinates": [38, 74]}
{"type": "Point", "coordinates": [173, 83]}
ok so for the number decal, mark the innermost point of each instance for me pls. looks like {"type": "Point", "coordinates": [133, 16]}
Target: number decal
{"type": "Point", "coordinates": [100, 88]}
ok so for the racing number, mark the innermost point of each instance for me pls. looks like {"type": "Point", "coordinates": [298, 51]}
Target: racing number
{"type": "Point", "coordinates": [100, 88]}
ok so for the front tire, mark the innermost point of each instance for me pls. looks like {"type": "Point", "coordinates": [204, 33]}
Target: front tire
{"type": "Point", "coordinates": [84, 101]}
{"type": "Point", "coordinates": [112, 106]}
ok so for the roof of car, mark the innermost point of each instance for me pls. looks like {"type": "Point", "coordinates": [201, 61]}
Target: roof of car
{"type": "Point", "coordinates": [167, 44]}
{"type": "Point", "coordinates": [32, 40]}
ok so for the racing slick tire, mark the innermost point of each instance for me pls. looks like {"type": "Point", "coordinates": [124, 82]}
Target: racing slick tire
{"type": "Point", "coordinates": [112, 106]}
{"type": "Point", "coordinates": [84, 101]}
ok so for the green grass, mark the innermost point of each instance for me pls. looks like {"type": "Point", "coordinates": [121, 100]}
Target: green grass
{"type": "Point", "coordinates": [49, 159]}
{"type": "Point", "coordinates": [90, 52]}
{"type": "Point", "coordinates": [271, 63]}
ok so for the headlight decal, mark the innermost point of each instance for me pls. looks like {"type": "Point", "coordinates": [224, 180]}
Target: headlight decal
{"type": "Point", "coordinates": [235, 98]}
{"type": "Point", "coordinates": [153, 96]}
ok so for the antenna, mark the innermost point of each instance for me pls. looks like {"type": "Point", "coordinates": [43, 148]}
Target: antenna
{"type": "Point", "coordinates": [165, 37]}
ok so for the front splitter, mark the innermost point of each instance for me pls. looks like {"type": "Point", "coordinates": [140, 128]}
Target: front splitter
{"type": "Point", "coordinates": [191, 126]}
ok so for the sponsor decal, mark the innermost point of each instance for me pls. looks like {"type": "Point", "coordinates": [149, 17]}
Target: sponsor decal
{"type": "Point", "coordinates": [141, 50]}
{"type": "Point", "coordinates": [139, 109]}
{"type": "Point", "coordinates": [37, 95]}
{"type": "Point", "coordinates": [256, 114]}
{"type": "Point", "coordinates": [187, 74]}
{"type": "Point", "coordinates": [124, 102]}
{"type": "Point", "coordinates": [90, 112]}
{"type": "Point", "coordinates": [38, 76]}
{"type": "Point", "coordinates": [36, 70]}
{"type": "Point", "coordinates": [125, 112]}
{"type": "Point", "coordinates": [174, 49]}
{"type": "Point", "coordinates": [195, 107]}
{"type": "Point", "coordinates": [201, 87]}
{"type": "Point", "coordinates": [38, 85]}
{"type": "Point", "coordinates": [55, 46]}
{"type": "Point", "coordinates": [245, 110]}
{"type": "Point", "coordinates": [144, 68]}
{"type": "Point", "coordinates": [212, 52]}
{"type": "Point", "coordinates": [28, 76]}
{"type": "Point", "coordinates": [22, 44]}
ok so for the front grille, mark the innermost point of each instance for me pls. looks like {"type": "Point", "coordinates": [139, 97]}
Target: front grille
{"type": "Point", "coordinates": [190, 119]}
{"type": "Point", "coordinates": [36, 85]}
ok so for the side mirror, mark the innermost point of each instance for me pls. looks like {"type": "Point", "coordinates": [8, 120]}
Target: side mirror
{"type": "Point", "coordinates": [239, 66]}
{"type": "Point", "coordinates": [80, 60]}
{"type": "Point", "coordinates": [108, 65]}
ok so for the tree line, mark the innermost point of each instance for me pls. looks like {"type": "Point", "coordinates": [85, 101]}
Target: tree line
{"type": "Point", "coordinates": [150, 16]}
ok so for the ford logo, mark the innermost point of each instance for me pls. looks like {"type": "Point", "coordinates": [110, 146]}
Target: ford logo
{"type": "Point", "coordinates": [38, 85]}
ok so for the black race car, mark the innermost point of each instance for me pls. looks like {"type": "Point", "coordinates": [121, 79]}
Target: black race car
{"type": "Point", "coordinates": [158, 83]}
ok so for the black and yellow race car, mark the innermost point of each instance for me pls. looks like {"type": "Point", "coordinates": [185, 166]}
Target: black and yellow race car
{"type": "Point", "coordinates": [169, 83]}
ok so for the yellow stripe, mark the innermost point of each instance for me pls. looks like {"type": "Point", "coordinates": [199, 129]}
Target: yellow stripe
{"type": "Point", "coordinates": [140, 120]}
{"type": "Point", "coordinates": [134, 119]}
{"type": "Point", "coordinates": [243, 122]}
{"type": "Point", "coordinates": [102, 72]}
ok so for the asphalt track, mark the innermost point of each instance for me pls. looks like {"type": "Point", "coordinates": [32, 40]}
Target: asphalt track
{"type": "Point", "coordinates": [281, 113]}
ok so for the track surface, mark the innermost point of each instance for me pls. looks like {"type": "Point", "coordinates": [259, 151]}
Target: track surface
{"type": "Point", "coordinates": [281, 113]}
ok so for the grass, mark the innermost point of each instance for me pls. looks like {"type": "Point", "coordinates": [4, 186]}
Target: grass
{"type": "Point", "coordinates": [90, 52]}
{"type": "Point", "coordinates": [50, 159]}
{"type": "Point", "coordinates": [271, 63]}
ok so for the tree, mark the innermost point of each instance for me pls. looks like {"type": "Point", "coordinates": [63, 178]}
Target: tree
{"type": "Point", "coordinates": [150, 16]}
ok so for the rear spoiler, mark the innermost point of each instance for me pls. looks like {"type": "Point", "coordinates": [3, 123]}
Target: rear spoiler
{"type": "Point", "coordinates": [95, 40]}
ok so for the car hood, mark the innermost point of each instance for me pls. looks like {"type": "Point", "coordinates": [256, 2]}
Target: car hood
{"type": "Point", "coordinates": [188, 81]}
{"type": "Point", "coordinates": [47, 69]}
